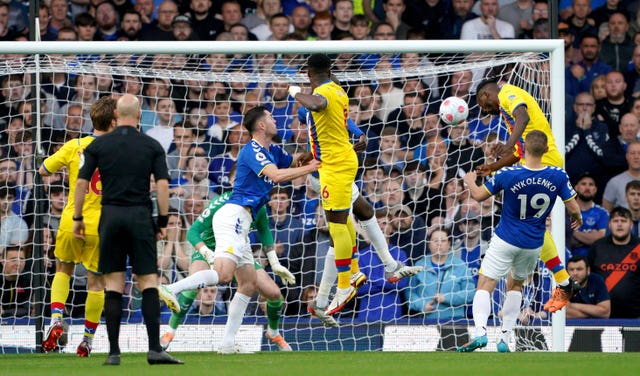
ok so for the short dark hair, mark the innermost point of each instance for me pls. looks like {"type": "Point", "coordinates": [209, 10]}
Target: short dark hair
{"type": "Point", "coordinates": [84, 19]}
{"type": "Point", "coordinates": [7, 190]}
{"type": "Point", "coordinates": [485, 83]}
{"type": "Point", "coordinates": [620, 211]}
{"type": "Point", "coordinates": [578, 258]}
{"type": "Point", "coordinates": [319, 63]}
{"type": "Point", "coordinates": [633, 184]}
{"type": "Point", "coordinates": [277, 189]}
{"type": "Point", "coordinates": [252, 117]}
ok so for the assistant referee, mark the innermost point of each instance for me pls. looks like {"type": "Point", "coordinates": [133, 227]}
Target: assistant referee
{"type": "Point", "coordinates": [126, 159]}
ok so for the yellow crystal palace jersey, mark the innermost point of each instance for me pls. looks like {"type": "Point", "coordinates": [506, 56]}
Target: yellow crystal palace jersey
{"type": "Point", "coordinates": [510, 98]}
{"type": "Point", "coordinates": [71, 157]}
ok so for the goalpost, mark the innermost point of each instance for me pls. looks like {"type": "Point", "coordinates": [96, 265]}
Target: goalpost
{"type": "Point", "coordinates": [50, 74]}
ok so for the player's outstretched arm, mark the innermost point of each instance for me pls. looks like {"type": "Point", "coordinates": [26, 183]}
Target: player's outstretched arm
{"type": "Point", "coordinates": [487, 169]}
{"type": "Point", "coordinates": [279, 175]}
{"type": "Point", "coordinates": [574, 213]}
{"type": "Point", "coordinates": [312, 102]}
{"type": "Point", "coordinates": [521, 120]}
{"type": "Point", "coordinates": [478, 193]}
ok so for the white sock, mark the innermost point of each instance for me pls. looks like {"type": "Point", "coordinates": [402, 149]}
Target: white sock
{"type": "Point", "coordinates": [510, 310]}
{"type": "Point", "coordinates": [237, 308]}
{"type": "Point", "coordinates": [171, 330]}
{"type": "Point", "coordinates": [481, 311]}
{"type": "Point", "coordinates": [379, 242]}
{"type": "Point", "coordinates": [273, 332]}
{"type": "Point", "coordinates": [329, 276]}
{"type": "Point", "coordinates": [198, 280]}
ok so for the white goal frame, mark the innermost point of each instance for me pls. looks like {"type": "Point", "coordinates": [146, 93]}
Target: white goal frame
{"type": "Point", "coordinates": [555, 49]}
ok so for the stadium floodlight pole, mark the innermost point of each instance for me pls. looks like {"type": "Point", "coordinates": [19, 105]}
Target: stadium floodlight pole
{"type": "Point", "coordinates": [553, 47]}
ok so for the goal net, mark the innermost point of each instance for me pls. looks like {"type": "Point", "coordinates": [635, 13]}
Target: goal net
{"type": "Point", "coordinates": [192, 103]}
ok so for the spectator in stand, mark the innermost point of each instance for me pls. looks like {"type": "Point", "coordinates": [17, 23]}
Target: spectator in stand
{"type": "Point", "coordinates": [163, 129]}
{"type": "Point", "coordinates": [394, 10]}
{"type": "Point", "coordinates": [615, 149]}
{"type": "Point", "coordinates": [280, 104]}
{"type": "Point", "coordinates": [616, 258]}
{"type": "Point", "coordinates": [193, 179]}
{"type": "Point", "coordinates": [391, 154]}
{"type": "Point", "coordinates": [578, 76]}
{"type": "Point", "coordinates": [469, 245]}
{"type": "Point", "coordinates": [408, 120]}
{"type": "Point", "coordinates": [520, 15]}
{"type": "Point", "coordinates": [231, 12]}
{"type": "Point", "coordinates": [408, 231]}
{"type": "Point", "coordinates": [614, 193]}
{"type": "Point", "coordinates": [203, 20]}
{"type": "Point", "coordinates": [615, 105]}
{"type": "Point", "coordinates": [632, 194]}
{"type": "Point", "coordinates": [306, 260]}
{"type": "Point", "coordinates": [192, 206]}
{"type": "Point", "coordinates": [287, 229]}
{"type": "Point", "coordinates": [161, 29]}
{"type": "Point", "coordinates": [461, 153]}
{"type": "Point", "coordinates": [540, 11]}
{"type": "Point", "coordinates": [182, 30]}
{"type": "Point", "coordinates": [207, 303]}
{"type": "Point", "coordinates": [59, 16]}
{"type": "Point", "coordinates": [145, 8]}
{"type": "Point", "coordinates": [372, 180]}
{"type": "Point", "coordinates": [58, 196]}
{"type": "Point", "coordinates": [279, 27]}
{"type": "Point", "coordinates": [153, 90]}
{"type": "Point", "coordinates": [183, 139]}
{"type": "Point", "coordinates": [106, 19]}
{"type": "Point", "coordinates": [592, 301]}
{"type": "Point", "coordinates": [322, 26]}
{"type": "Point", "coordinates": [174, 251]}
{"type": "Point", "coordinates": [617, 48]}
{"type": "Point", "coordinates": [594, 217]}
{"type": "Point", "coordinates": [430, 293]}
{"type": "Point", "coordinates": [571, 53]}
{"type": "Point", "coordinates": [85, 27]}
{"type": "Point", "coordinates": [632, 74]}
{"type": "Point", "coordinates": [415, 191]}
{"type": "Point", "coordinates": [301, 21]}
{"type": "Point", "coordinates": [342, 14]}
{"type": "Point", "coordinates": [427, 15]}
{"type": "Point", "coordinates": [580, 24]}
{"type": "Point", "coordinates": [15, 282]}
{"type": "Point", "coordinates": [13, 230]}
{"type": "Point", "coordinates": [130, 25]}
{"type": "Point", "coordinates": [487, 26]}
{"type": "Point", "coordinates": [380, 300]}
{"type": "Point", "coordinates": [264, 10]}
{"type": "Point", "coordinates": [599, 87]}
{"type": "Point", "coordinates": [452, 21]}
{"type": "Point", "coordinates": [367, 120]}
{"type": "Point", "coordinates": [360, 28]}
{"type": "Point", "coordinates": [392, 97]}
{"type": "Point", "coordinates": [586, 137]}
{"type": "Point", "coordinates": [602, 14]}
{"type": "Point", "coordinates": [221, 165]}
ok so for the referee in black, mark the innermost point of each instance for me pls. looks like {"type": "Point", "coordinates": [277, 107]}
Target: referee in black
{"type": "Point", "coordinates": [126, 158]}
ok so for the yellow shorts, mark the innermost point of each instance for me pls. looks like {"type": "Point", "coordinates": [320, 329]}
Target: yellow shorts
{"type": "Point", "coordinates": [336, 186]}
{"type": "Point", "coordinates": [70, 249]}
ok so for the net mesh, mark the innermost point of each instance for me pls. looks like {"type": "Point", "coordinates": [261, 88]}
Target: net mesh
{"type": "Point", "coordinates": [410, 174]}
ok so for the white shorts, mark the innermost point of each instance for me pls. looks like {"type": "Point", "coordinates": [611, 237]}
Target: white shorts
{"type": "Point", "coordinates": [315, 185]}
{"type": "Point", "coordinates": [231, 225]}
{"type": "Point", "coordinates": [502, 257]}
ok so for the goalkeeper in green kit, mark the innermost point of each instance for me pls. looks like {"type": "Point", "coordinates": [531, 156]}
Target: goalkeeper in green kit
{"type": "Point", "coordinates": [200, 235]}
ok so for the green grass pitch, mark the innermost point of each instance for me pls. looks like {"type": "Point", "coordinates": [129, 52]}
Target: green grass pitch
{"type": "Point", "coordinates": [327, 363]}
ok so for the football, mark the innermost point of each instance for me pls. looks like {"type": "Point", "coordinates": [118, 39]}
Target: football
{"type": "Point", "coordinates": [454, 110]}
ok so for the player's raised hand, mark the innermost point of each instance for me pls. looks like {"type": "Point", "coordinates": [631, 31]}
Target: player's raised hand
{"type": "Point", "coordinates": [207, 253]}
{"type": "Point", "coordinates": [470, 177]}
{"type": "Point", "coordinates": [302, 159]}
{"type": "Point", "coordinates": [293, 90]}
{"type": "Point", "coordinates": [576, 221]}
{"type": "Point", "coordinates": [483, 170]}
{"type": "Point", "coordinates": [361, 145]}
{"type": "Point", "coordinates": [287, 277]}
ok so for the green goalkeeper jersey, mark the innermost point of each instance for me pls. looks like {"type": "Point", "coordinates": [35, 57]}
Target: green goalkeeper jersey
{"type": "Point", "coordinates": [202, 230]}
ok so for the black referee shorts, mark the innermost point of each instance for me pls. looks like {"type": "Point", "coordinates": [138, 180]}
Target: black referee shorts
{"type": "Point", "coordinates": [127, 231]}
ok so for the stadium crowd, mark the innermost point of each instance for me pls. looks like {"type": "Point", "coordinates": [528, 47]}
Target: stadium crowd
{"type": "Point", "coordinates": [410, 172]}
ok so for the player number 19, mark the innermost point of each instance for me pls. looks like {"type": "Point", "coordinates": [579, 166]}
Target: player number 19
{"type": "Point", "coordinates": [539, 202]}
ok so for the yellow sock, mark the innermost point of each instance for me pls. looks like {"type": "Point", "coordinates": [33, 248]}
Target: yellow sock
{"type": "Point", "coordinates": [354, 250]}
{"type": "Point", "coordinates": [93, 311]}
{"type": "Point", "coordinates": [59, 294]}
{"type": "Point", "coordinates": [549, 255]}
{"type": "Point", "coordinates": [342, 244]}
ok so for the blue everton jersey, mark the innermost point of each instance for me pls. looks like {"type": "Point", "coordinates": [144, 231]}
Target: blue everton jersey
{"type": "Point", "coordinates": [529, 196]}
{"type": "Point", "coordinates": [251, 188]}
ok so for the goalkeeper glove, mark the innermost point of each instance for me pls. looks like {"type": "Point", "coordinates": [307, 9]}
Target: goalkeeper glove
{"type": "Point", "coordinates": [284, 273]}
{"type": "Point", "coordinates": [293, 90]}
{"type": "Point", "coordinates": [207, 253]}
